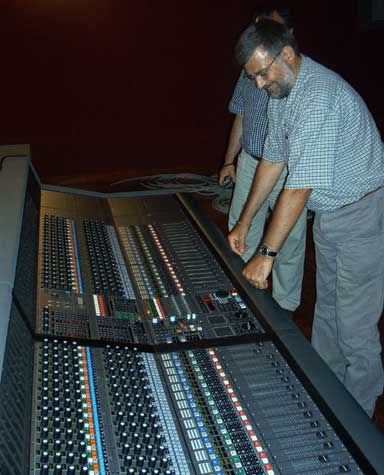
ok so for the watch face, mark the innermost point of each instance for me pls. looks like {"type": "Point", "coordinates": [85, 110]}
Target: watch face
{"type": "Point", "coordinates": [266, 252]}
{"type": "Point", "coordinates": [262, 250]}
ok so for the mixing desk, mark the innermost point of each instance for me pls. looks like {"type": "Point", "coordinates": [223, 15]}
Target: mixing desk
{"type": "Point", "coordinates": [130, 344]}
{"type": "Point", "coordinates": [132, 272]}
{"type": "Point", "coordinates": [227, 410]}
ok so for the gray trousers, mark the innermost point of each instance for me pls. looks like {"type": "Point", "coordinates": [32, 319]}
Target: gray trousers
{"type": "Point", "coordinates": [349, 245]}
{"type": "Point", "coordinates": [288, 268]}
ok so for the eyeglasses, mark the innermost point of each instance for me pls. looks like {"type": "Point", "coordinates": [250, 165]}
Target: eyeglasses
{"type": "Point", "coordinates": [262, 74]}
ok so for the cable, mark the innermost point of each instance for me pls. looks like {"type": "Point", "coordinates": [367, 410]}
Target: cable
{"type": "Point", "coordinates": [188, 183]}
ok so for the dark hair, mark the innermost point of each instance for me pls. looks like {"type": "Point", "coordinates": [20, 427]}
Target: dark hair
{"type": "Point", "coordinates": [268, 34]}
{"type": "Point", "coordinates": [267, 9]}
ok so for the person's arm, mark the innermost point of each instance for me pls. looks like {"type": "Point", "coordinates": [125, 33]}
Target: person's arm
{"type": "Point", "coordinates": [266, 176]}
{"type": "Point", "coordinates": [233, 149]}
{"type": "Point", "coordinates": [288, 209]}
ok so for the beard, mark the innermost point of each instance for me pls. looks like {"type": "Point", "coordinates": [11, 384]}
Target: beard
{"type": "Point", "coordinates": [280, 88]}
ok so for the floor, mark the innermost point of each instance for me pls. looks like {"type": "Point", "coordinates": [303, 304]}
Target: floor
{"type": "Point", "coordinates": [302, 316]}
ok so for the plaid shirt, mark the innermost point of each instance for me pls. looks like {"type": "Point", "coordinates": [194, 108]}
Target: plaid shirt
{"type": "Point", "coordinates": [327, 136]}
{"type": "Point", "coordinates": [251, 103]}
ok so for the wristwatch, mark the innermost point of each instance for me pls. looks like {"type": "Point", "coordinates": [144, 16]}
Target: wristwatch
{"type": "Point", "coordinates": [264, 251]}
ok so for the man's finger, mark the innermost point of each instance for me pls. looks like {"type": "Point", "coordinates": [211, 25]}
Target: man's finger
{"type": "Point", "coordinates": [235, 245]}
{"type": "Point", "coordinates": [241, 246]}
{"type": "Point", "coordinates": [264, 284]}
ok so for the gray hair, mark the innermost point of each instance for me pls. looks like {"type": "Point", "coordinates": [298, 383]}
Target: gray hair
{"type": "Point", "coordinates": [268, 34]}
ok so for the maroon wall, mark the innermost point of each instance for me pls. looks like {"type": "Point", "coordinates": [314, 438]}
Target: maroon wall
{"type": "Point", "coordinates": [113, 84]}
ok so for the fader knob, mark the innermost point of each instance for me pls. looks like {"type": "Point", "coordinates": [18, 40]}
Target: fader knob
{"type": "Point", "coordinates": [161, 450]}
{"type": "Point", "coordinates": [58, 470]}
{"type": "Point", "coordinates": [152, 461]}
{"type": "Point", "coordinates": [57, 444]}
{"type": "Point", "coordinates": [137, 449]}
{"type": "Point", "coordinates": [164, 462]}
{"type": "Point", "coordinates": [69, 446]}
{"type": "Point", "coordinates": [44, 444]}
{"type": "Point", "coordinates": [126, 448]}
{"type": "Point", "coordinates": [119, 416]}
{"type": "Point", "coordinates": [149, 449]}
{"type": "Point", "coordinates": [44, 470]}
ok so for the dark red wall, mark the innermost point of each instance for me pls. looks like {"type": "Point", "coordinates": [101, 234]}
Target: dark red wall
{"type": "Point", "coordinates": [102, 85]}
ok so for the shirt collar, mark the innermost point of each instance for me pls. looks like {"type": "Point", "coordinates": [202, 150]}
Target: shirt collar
{"type": "Point", "coordinates": [299, 80]}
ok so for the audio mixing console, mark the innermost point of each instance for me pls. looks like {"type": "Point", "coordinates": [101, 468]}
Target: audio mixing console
{"type": "Point", "coordinates": [154, 282]}
{"type": "Point", "coordinates": [229, 410]}
{"type": "Point", "coordinates": [129, 344]}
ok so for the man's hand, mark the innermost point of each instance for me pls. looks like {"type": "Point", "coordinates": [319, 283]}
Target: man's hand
{"type": "Point", "coordinates": [227, 172]}
{"type": "Point", "coordinates": [236, 239]}
{"type": "Point", "coordinates": [258, 269]}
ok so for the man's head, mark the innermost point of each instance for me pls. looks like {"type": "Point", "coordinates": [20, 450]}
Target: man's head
{"type": "Point", "coordinates": [270, 56]}
{"type": "Point", "coordinates": [275, 10]}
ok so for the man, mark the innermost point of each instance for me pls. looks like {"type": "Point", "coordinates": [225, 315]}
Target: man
{"type": "Point", "coordinates": [248, 133]}
{"type": "Point", "coordinates": [322, 130]}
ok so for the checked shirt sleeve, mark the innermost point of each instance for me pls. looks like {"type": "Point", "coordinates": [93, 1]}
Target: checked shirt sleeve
{"type": "Point", "coordinates": [274, 146]}
{"type": "Point", "coordinates": [312, 148]}
{"type": "Point", "coordinates": [236, 104]}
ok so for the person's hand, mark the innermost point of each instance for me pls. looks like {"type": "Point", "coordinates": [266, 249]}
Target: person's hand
{"type": "Point", "coordinates": [236, 239]}
{"type": "Point", "coordinates": [257, 270]}
{"type": "Point", "coordinates": [227, 172]}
